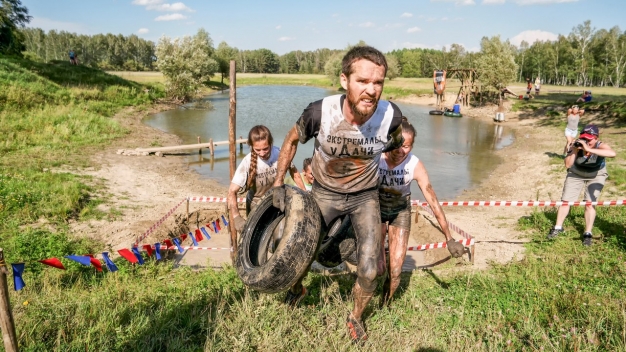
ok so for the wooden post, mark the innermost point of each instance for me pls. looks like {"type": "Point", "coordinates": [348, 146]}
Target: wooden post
{"type": "Point", "coordinates": [199, 150]}
{"type": "Point", "coordinates": [232, 119]}
{"type": "Point", "coordinates": [240, 145]}
{"type": "Point", "coordinates": [211, 146]}
{"type": "Point", "coordinates": [6, 316]}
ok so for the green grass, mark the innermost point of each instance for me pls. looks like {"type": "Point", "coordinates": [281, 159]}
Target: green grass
{"type": "Point", "coordinates": [560, 297]}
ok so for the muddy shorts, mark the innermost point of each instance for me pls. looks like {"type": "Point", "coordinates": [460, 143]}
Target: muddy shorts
{"type": "Point", "coordinates": [364, 211]}
{"type": "Point", "coordinates": [575, 183]}
{"type": "Point", "coordinates": [397, 212]}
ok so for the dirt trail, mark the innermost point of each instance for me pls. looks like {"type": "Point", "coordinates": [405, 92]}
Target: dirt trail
{"type": "Point", "coordinates": [144, 188]}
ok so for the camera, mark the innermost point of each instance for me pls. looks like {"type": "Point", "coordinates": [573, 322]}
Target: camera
{"type": "Point", "coordinates": [578, 144]}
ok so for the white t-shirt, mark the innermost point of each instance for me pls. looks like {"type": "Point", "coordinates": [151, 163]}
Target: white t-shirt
{"type": "Point", "coordinates": [265, 173]}
{"type": "Point", "coordinates": [396, 182]}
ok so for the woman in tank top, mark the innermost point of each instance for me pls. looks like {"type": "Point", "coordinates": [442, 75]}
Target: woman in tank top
{"type": "Point", "coordinates": [256, 173]}
{"type": "Point", "coordinates": [571, 130]}
{"type": "Point", "coordinates": [397, 169]}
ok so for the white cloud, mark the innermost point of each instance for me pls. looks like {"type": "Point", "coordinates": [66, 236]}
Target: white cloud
{"type": "Point", "coordinates": [493, 2]}
{"type": "Point", "coordinates": [171, 17]}
{"type": "Point", "coordinates": [406, 14]}
{"type": "Point", "coordinates": [367, 25]}
{"type": "Point", "coordinates": [278, 27]}
{"type": "Point", "coordinates": [47, 24]}
{"type": "Point", "coordinates": [457, 2]}
{"type": "Point", "coordinates": [160, 5]}
{"type": "Point", "coordinates": [542, 2]}
{"type": "Point", "coordinates": [444, 18]}
{"type": "Point", "coordinates": [410, 45]}
{"type": "Point", "coordinates": [143, 30]}
{"type": "Point", "coordinates": [285, 39]}
{"type": "Point", "coordinates": [532, 36]}
{"type": "Point", "coordinates": [413, 30]}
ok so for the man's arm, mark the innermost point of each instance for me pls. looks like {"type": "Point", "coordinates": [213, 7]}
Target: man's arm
{"type": "Point", "coordinates": [296, 177]}
{"type": "Point", "coordinates": [421, 176]}
{"type": "Point", "coordinates": [285, 158]}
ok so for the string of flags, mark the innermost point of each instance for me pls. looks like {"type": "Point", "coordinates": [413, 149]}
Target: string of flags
{"type": "Point", "coordinates": [132, 255]}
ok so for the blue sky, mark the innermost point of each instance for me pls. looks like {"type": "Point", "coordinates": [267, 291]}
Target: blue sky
{"type": "Point", "coordinates": [283, 26]}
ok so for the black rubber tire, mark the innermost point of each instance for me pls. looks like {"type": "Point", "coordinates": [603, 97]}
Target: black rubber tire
{"type": "Point", "coordinates": [291, 257]}
{"type": "Point", "coordinates": [339, 247]}
{"type": "Point", "coordinates": [435, 112]}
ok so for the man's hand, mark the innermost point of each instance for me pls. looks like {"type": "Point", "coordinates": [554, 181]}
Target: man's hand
{"type": "Point", "coordinates": [239, 223]}
{"type": "Point", "coordinates": [278, 197]}
{"type": "Point", "coordinates": [455, 248]}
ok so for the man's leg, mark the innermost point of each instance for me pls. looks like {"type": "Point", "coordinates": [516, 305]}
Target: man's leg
{"type": "Point", "coordinates": [590, 217]}
{"type": "Point", "coordinates": [398, 242]}
{"type": "Point", "coordinates": [592, 193]}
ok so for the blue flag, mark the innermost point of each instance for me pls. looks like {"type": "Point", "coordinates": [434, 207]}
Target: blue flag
{"type": "Point", "coordinates": [138, 255]}
{"type": "Point", "coordinates": [224, 221]}
{"type": "Point", "coordinates": [18, 282]}
{"type": "Point", "coordinates": [177, 243]}
{"type": "Point", "coordinates": [206, 233]}
{"type": "Point", "coordinates": [109, 263]}
{"type": "Point", "coordinates": [83, 259]}
{"type": "Point", "coordinates": [157, 250]}
{"type": "Point", "coordinates": [193, 238]}
{"type": "Point", "coordinates": [214, 226]}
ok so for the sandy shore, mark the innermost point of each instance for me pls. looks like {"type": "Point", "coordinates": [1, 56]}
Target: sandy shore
{"type": "Point", "coordinates": [141, 189]}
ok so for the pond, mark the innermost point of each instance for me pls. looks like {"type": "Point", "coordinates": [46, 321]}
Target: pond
{"type": "Point", "coordinates": [458, 153]}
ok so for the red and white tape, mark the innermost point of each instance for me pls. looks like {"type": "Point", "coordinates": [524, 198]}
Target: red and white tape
{"type": "Point", "coordinates": [423, 247]}
{"type": "Point", "coordinates": [521, 203]}
{"type": "Point", "coordinates": [201, 199]}
{"type": "Point", "coordinates": [452, 226]}
{"type": "Point", "coordinates": [158, 223]}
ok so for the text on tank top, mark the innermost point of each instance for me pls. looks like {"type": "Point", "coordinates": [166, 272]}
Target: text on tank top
{"type": "Point", "coordinates": [265, 176]}
{"type": "Point", "coordinates": [396, 182]}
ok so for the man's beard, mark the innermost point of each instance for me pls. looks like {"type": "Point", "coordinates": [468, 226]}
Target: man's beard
{"type": "Point", "coordinates": [362, 113]}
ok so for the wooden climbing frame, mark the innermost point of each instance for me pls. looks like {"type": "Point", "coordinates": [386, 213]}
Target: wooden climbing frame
{"type": "Point", "coordinates": [469, 84]}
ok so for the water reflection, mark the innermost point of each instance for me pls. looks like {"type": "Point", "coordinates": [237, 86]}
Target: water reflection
{"type": "Point", "coordinates": [457, 152]}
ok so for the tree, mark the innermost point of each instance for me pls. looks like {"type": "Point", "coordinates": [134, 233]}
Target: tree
{"type": "Point", "coordinates": [393, 67]}
{"type": "Point", "coordinates": [12, 17]}
{"type": "Point", "coordinates": [332, 69]}
{"type": "Point", "coordinates": [186, 63]}
{"type": "Point", "coordinates": [616, 52]}
{"type": "Point", "coordinates": [581, 36]}
{"type": "Point", "coordinates": [224, 54]}
{"type": "Point", "coordinates": [496, 64]}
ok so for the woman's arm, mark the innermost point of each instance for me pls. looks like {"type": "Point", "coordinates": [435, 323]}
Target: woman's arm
{"type": "Point", "coordinates": [295, 175]}
{"type": "Point", "coordinates": [604, 150]}
{"type": "Point", "coordinates": [232, 200]}
{"type": "Point", "coordinates": [421, 176]}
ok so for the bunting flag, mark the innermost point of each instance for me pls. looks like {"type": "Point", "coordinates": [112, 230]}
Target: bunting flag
{"type": "Point", "coordinates": [18, 282]}
{"type": "Point", "coordinates": [218, 225]}
{"type": "Point", "coordinates": [95, 262]}
{"type": "Point", "coordinates": [177, 243]}
{"type": "Point", "coordinates": [128, 255]}
{"type": "Point", "coordinates": [209, 226]}
{"type": "Point", "coordinates": [199, 235]}
{"type": "Point", "coordinates": [214, 227]}
{"type": "Point", "coordinates": [83, 259]}
{"type": "Point", "coordinates": [224, 220]}
{"type": "Point", "coordinates": [157, 250]}
{"type": "Point", "coordinates": [193, 239]}
{"type": "Point", "coordinates": [205, 232]}
{"type": "Point", "coordinates": [183, 237]}
{"type": "Point", "coordinates": [168, 243]}
{"type": "Point", "coordinates": [148, 249]}
{"type": "Point", "coordinates": [138, 255]}
{"type": "Point", "coordinates": [53, 262]}
{"type": "Point", "coordinates": [110, 265]}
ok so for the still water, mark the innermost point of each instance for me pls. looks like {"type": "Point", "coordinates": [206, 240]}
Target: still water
{"type": "Point", "coordinates": [457, 152]}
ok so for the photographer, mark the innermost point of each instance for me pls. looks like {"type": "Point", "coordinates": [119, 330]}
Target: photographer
{"type": "Point", "coordinates": [586, 168]}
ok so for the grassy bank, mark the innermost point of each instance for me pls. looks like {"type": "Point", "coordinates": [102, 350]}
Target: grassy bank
{"type": "Point", "coordinates": [560, 297]}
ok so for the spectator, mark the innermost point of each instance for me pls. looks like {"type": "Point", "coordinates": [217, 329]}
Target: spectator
{"type": "Point", "coordinates": [585, 98]}
{"type": "Point", "coordinates": [537, 85]}
{"type": "Point", "coordinates": [571, 130]}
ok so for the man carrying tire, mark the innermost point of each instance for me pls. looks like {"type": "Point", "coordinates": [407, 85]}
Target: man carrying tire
{"type": "Point", "coordinates": [351, 132]}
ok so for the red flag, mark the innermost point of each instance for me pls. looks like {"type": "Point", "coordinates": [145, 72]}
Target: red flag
{"type": "Point", "coordinates": [53, 262]}
{"type": "Point", "coordinates": [128, 255]}
{"type": "Point", "coordinates": [168, 243]}
{"type": "Point", "coordinates": [183, 237]}
{"type": "Point", "coordinates": [208, 226]}
{"type": "Point", "coordinates": [148, 249]}
{"type": "Point", "coordinates": [217, 222]}
{"type": "Point", "coordinates": [95, 262]}
{"type": "Point", "coordinates": [199, 235]}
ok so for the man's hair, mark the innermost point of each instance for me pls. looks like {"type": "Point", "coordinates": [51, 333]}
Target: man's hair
{"type": "Point", "coordinates": [306, 163]}
{"type": "Point", "coordinates": [362, 52]}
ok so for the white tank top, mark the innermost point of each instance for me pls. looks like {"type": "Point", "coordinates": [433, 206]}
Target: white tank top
{"type": "Point", "coordinates": [396, 182]}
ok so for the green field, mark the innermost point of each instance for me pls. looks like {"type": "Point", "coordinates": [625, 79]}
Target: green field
{"type": "Point", "coordinates": [560, 297]}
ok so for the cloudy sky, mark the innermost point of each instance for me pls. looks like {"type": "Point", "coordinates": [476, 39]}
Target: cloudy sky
{"type": "Point", "coordinates": [283, 26]}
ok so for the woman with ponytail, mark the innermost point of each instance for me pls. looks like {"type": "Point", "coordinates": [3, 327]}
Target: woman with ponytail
{"type": "Point", "coordinates": [256, 173]}
{"type": "Point", "coordinates": [396, 170]}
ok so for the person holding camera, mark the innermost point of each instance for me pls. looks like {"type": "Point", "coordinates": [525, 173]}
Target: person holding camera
{"type": "Point", "coordinates": [571, 130]}
{"type": "Point", "coordinates": [586, 169]}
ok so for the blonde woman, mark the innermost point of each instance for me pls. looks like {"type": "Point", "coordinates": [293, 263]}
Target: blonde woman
{"type": "Point", "coordinates": [571, 130]}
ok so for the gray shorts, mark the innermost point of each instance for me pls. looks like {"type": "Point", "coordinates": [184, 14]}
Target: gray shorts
{"type": "Point", "coordinates": [575, 183]}
{"type": "Point", "coordinates": [396, 212]}
{"type": "Point", "coordinates": [364, 211]}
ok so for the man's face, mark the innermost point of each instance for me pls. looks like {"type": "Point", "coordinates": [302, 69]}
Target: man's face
{"type": "Point", "coordinates": [308, 174]}
{"type": "Point", "coordinates": [364, 87]}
